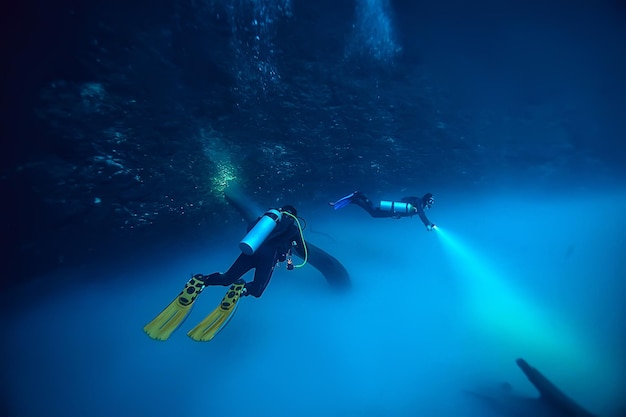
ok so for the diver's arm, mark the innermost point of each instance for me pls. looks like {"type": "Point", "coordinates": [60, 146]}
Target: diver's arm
{"type": "Point", "coordinates": [422, 216]}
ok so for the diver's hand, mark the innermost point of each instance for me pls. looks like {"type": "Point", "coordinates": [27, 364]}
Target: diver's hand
{"type": "Point", "coordinates": [430, 227]}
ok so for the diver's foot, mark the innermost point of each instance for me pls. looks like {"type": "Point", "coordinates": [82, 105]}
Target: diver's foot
{"type": "Point", "coordinates": [344, 201]}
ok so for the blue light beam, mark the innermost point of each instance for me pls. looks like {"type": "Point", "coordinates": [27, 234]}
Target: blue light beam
{"type": "Point", "coordinates": [498, 312]}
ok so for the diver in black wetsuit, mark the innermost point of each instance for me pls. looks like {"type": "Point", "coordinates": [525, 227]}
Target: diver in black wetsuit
{"type": "Point", "coordinates": [270, 239]}
{"type": "Point", "coordinates": [406, 207]}
{"type": "Point", "coordinates": [263, 254]}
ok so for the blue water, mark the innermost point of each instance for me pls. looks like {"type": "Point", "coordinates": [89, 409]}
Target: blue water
{"type": "Point", "coordinates": [128, 120]}
{"type": "Point", "coordinates": [431, 315]}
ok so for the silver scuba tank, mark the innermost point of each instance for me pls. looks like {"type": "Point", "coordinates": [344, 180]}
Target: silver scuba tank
{"type": "Point", "coordinates": [397, 207]}
{"type": "Point", "coordinates": [261, 230]}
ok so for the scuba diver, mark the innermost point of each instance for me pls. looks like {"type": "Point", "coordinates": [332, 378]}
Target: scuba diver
{"type": "Point", "coordinates": [406, 207]}
{"type": "Point", "coordinates": [269, 241]}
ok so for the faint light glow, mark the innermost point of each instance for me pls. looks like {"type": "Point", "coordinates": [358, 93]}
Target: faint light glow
{"type": "Point", "coordinates": [373, 31]}
{"type": "Point", "coordinates": [217, 152]}
{"type": "Point", "coordinates": [225, 172]}
{"type": "Point", "coordinates": [498, 311]}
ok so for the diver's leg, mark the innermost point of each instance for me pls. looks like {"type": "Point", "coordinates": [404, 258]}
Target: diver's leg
{"type": "Point", "coordinates": [242, 264]}
{"type": "Point", "coordinates": [366, 204]}
{"type": "Point", "coordinates": [262, 273]}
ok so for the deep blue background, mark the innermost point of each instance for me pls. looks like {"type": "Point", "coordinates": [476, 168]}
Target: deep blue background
{"type": "Point", "coordinates": [329, 99]}
{"type": "Point", "coordinates": [123, 120]}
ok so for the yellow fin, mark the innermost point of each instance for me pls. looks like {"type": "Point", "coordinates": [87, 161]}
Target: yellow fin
{"type": "Point", "coordinates": [172, 316]}
{"type": "Point", "coordinates": [208, 328]}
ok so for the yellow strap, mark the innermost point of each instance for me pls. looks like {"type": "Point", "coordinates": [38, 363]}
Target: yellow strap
{"type": "Point", "coordinates": [306, 253]}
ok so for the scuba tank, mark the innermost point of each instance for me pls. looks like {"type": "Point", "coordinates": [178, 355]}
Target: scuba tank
{"type": "Point", "coordinates": [261, 230]}
{"type": "Point", "coordinates": [397, 207]}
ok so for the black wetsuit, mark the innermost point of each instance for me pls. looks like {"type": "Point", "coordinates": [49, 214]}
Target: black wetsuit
{"type": "Point", "coordinates": [273, 250]}
{"type": "Point", "coordinates": [417, 202]}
